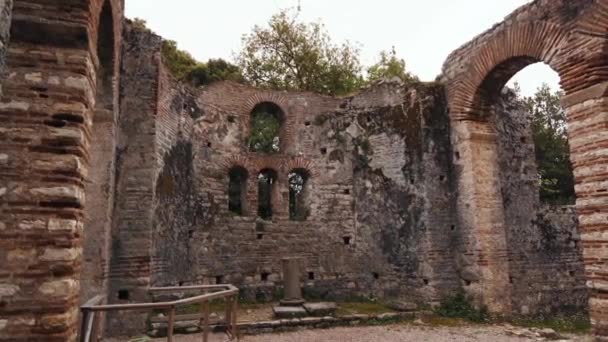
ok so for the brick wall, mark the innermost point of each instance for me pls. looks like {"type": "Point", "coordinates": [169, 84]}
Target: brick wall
{"type": "Point", "coordinates": [136, 167]}
{"type": "Point", "coordinates": [45, 129]}
{"type": "Point", "coordinates": [543, 242]}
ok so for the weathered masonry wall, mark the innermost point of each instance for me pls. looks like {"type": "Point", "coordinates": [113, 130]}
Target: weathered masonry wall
{"type": "Point", "coordinates": [382, 198]}
{"type": "Point", "coordinates": [357, 154]}
{"type": "Point", "coordinates": [46, 115]}
{"type": "Point", "coordinates": [136, 166]}
{"type": "Point", "coordinates": [414, 191]}
{"type": "Point", "coordinates": [569, 36]}
{"type": "Point", "coordinates": [546, 269]}
{"type": "Point", "coordinates": [382, 195]}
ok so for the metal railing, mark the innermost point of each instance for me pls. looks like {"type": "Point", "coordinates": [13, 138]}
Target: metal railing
{"type": "Point", "coordinates": [91, 310]}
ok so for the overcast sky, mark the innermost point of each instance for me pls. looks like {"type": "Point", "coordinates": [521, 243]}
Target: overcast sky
{"type": "Point", "coordinates": [423, 32]}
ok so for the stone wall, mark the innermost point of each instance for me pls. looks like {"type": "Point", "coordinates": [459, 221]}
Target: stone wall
{"type": "Point", "coordinates": [136, 169]}
{"type": "Point", "coordinates": [356, 153]}
{"type": "Point", "coordinates": [546, 269]}
{"type": "Point", "coordinates": [382, 195]}
{"type": "Point", "coordinates": [570, 37]}
{"type": "Point", "coordinates": [396, 209]}
{"type": "Point", "coordinates": [46, 121]}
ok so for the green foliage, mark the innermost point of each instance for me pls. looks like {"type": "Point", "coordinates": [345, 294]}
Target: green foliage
{"type": "Point", "coordinates": [458, 306]}
{"type": "Point", "coordinates": [551, 142]}
{"type": "Point", "coordinates": [140, 24]}
{"type": "Point", "coordinates": [291, 55]}
{"type": "Point", "coordinates": [179, 62]}
{"type": "Point", "coordinates": [362, 307]}
{"type": "Point", "coordinates": [184, 67]}
{"type": "Point", "coordinates": [287, 54]}
{"type": "Point", "coordinates": [212, 71]}
{"type": "Point", "coordinates": [567, 324]}
{"type": "Point", "coordinates": [264, 136]}
{"type": "Point", "coordinates": [389, 66]}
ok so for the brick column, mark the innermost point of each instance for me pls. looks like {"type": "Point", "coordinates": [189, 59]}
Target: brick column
{"type": "Point", "coordinates": [587, 112]}
{"type": "Point", "coordinates": [44, 139]}
{"type": "Point", "coordinates": [482, 258]}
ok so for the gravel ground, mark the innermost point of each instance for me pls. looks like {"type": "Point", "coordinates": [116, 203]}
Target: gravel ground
{"type": "Point", "coordinates": [391, 333]}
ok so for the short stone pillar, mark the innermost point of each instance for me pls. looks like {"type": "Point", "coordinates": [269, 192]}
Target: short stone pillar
{"type": "Point", "coordinates": [291, 281]}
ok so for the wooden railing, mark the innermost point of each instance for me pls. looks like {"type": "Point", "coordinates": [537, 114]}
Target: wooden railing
{"type": "Point", "coordinates": [92, 309]}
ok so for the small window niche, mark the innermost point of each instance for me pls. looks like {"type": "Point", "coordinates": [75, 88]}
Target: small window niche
{"type": "Point", "coordinates": [123, 294]}
{"type": "Point", "coordinates": [266, 188]}
{"type": "Point", "coordinates": [298, 195]}
{"type": "Point", "coordinates": [237, 189]}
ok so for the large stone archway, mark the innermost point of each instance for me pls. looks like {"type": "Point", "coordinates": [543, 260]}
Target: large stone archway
{"type": "Point", "coordinates": [569, 36]}
{"type": "Point", "coordinates": [45, 131]}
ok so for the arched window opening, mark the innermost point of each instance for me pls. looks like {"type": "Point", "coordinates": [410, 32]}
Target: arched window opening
{"type": "Point", "coordinates": [298, 195]}
{"type": "Point", "coordinates": [549, 133]}
{"type": "Point", "coordinates": [266, 180]}
{"type": "Point", "coordinates": [237, 189]}
{"type": "Point", "coordinates": [266, 121]}
{"type": "Point", "coordinates": [105, 55]}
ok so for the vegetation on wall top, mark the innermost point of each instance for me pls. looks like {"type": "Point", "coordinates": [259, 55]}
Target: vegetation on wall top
{"type": "Point", "coordinates": [287, 54]}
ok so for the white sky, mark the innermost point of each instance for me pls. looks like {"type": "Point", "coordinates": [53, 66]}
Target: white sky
{"type": "Point", "coordinates": [423, 32]}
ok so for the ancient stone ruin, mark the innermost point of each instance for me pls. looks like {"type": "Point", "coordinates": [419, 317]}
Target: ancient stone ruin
{"type": "Point", "coordinates": [114, 177]}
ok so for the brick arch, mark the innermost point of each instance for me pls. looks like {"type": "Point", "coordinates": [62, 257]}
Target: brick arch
{"type": "Point", "coordinates": [236, 161]}
{"type": "Point", "coordinates": [595, 21]}
{"type": "Point", "coordinates": [494, 63]}
{"type": "Point", "coordinates": [260, 164]}
{"type": "Point", "coordinates": [572, 38]}
{"type": "Point", "coordinates": [302, 164]}
{"type": "Point", "coordinates": [97, 16]}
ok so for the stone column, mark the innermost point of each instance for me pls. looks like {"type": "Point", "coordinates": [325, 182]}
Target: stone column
{"type": "Point", "coordinates": [45, 120]}
{"type": "Point", "coordinates": [587, 112]}
{"type": "Point", "coordinates": [291, 280]}
{"type": "Point", "coordinates": [482, 258]}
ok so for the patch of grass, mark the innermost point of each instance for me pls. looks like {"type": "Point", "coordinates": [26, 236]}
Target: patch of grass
{"type": "Point", "coordinates": [440, 321]}
{"type": "Point", "coordinates": [459, 306]}
{"type": "Point", "coordinates": [366, 308]}
{"type": "Point", "coordinates": [576, 324]}
{"type": "Point", "coordinates": [141, 339]}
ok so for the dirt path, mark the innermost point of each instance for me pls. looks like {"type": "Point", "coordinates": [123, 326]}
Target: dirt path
{"type": "Point", "coordinates": [391, 333]}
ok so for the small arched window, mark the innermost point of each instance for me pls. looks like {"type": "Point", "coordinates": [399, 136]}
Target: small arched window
{"type": "Point", "coordinates": [105, 54]}
{"type": "Point", "coordinates": [265, 129]}
{"type": "Point", "coordinates": [237, 189]}
{"type": "Point", "coordinates": [266, 181]}
{"type": "Point", "coordinates": [298, 195]}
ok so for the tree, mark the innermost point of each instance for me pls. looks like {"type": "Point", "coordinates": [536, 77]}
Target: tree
{"type": "Point", "coordinates": [388, 67]}
{"type": "Point", "coordinates": [291, 55]}
{"type": "Point", "coordinates": [264, 136]}
{"type": "Point", "coordinates": [140, 24]}
{"type": "Point", "coordinates": [212, 71]}
{"type": "Point", "coordinates": [179, 62]}
{"type": "Point", "coordinates": [551, 142]}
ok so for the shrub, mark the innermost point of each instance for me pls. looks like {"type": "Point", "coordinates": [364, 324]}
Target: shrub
{"type": "Point", "coordinates": [459, 306]}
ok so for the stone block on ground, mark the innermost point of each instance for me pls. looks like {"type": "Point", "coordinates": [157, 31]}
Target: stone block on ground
{"type": "Point", "coordinates": [321, 309]}
{"type": "Point", "coordinates": [289, 311]}
{"type": "Point", "coordinates": [403, 306]}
